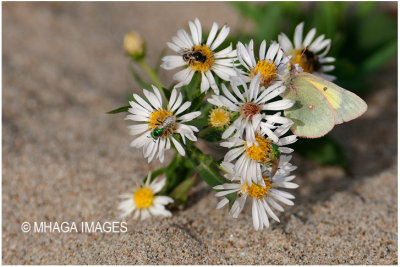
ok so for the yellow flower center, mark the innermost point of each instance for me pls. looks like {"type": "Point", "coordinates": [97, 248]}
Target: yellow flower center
{"type": "Point", "coordinates": [261, 152]}
{"type": "Point", "coordinates": [200, 58]}
{"type": "Point", "coordinates": [249, 110]}
{"type": "Point", "coordinates": [257, 190]}
{"type": "Point", "coordinates": [268, 72]}
{"type": "Point", "coordinates": [157, 117]}
{"type": "Point", "coordinates": [143, 198]}
{"type": "Point", "coordinates": [219, 117]}
{"type": "Point", "coordinates": [306, 59]}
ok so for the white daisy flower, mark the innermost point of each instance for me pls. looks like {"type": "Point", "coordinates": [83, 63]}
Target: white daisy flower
{"type": "Point", "coordinates": [308, 54]}
{"type": "Point", "coordinates": [251, 158]}
{"type": "Point", "coordinates": [250, 104]}
{"type": "Point", "coordinates": [263, 196]}
{"type": "Point", "coordinates": [160, 123]}
{"type": "Point", "coordinates": [271, 64]}
{"type": "Point", "coordinates": [143, 202]}
{"type": "Point", "coordinates": [200, 56]}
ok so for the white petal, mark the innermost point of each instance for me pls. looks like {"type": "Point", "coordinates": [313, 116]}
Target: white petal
{"type": "Point", "coordinates": [172, 98]}
{"type": "Point", "coordinates": [174, 47]}
{"type": "Point", "coordinates": [156, 185]}
{"type": "Point", "coordinates": [224, 53]}
{"type": "Point", "coordinates": [186, 80]}
{"type": "Point", "coordinates": [310, 35]}
{"type": "Point", "coordinates": [220, 38]}
{"type": "Point", "coordinates": [172, 62]}
{"type": "Point", "coordinates": [212, 82]}
{"type": "Point", "coordinates": [163, 200]}
{"type": "Point", "coordinates": [272, 50]}
{"type": "Point", "coordinates": [269, 211]}
{"type": "Point", "coordinates": [140, 141]}
{"type": "Point", "coordinates": [298, 35]}
{"type": "Point", "coordinates": [285, 43]}
{"type": "Point", "coordinates": [177, 103]}
{"type": "Point", "coordinates": [190, 116]}
{"type": "Point", "coordinates": [222, 203]}
{"type": "Point", "coordinates": [256, 219]}
{"type": "Point", "coordinates": [152, 99]}
{"type": "Point", "coordinates": [193, 30]}
{"type": "Point", "coordinates": [262, 50]}
{"type": "Point", "coordinates": [142, 102]}
{"type": "Point", "coordinates": [184, 107]}
{"type": "Point", "coordinates": [185, 38]}
{"type": "Point", "coordinates": [279, 105]}
{"type": "Point", "coordinates": [138, 128]}
{"type": "Point", "coordinates": [178, 146]}
{"type": "Point", "coordinates": [204, 83]}
{"type": "Point", "coordinates": [198, 25]}
{"type": "Point", "coordinates": [182, 75]}
{"type": "Point", "coordinates": [212, 34]}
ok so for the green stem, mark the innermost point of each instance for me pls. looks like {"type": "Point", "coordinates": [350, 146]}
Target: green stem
{"type": "Point", "coordinates": [152, 74]}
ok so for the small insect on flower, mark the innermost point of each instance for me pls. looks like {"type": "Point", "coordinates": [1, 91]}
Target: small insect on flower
{"type": "Point", "coordinates": [310, 60]}
{"type": "Point", "coordinates": [274, 156]}
{"type": "Point", "coordinates": [165, 126]}
{"type": "Point", "coordinates": [310, 54]}
{"type": "Point", "coordinates": [159, 123]}
{"type": "Point", "coordinates": [193, 57]}
{"type": "Point", "coordinates": [199, 55]}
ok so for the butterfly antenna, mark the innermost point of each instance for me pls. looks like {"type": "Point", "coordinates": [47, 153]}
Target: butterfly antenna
{"type": "Point", "coordinates": [304, 51]}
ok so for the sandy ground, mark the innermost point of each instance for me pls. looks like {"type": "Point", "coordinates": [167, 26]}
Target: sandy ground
{"type": "Point", "coordinates": [65, 160]}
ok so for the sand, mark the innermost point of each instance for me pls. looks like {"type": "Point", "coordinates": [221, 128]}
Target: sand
{"type": "Point", "coordinates": [65, 160]}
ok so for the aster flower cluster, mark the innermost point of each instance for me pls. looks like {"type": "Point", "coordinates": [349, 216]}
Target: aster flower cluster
{"type": "Point", "coordinates": [229, 95]}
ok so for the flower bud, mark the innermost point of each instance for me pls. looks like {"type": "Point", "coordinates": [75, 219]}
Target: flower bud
{"type": "Point", "coordinates": [134, 45]}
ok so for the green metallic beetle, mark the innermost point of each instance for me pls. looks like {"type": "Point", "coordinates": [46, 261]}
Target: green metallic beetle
{"type": "Point", "coordinates": [164, 127]}
{"type": "Point", "coordinates": [156, 133]}
{"type": "Point", "coordinates": [275, 153]}
{"type": "Point", "coordinates": [274, 156]}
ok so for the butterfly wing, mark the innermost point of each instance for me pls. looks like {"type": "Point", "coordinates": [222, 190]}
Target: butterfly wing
{"type": "Point", "coordinates": [346, 105]}
{"type": "Point", "coordinates": [312, 115]}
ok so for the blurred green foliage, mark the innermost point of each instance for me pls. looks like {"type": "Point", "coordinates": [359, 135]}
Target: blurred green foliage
{"type": "Point", "coordinates": [364, 39]}
{"type": "Point", "coordinates": [363, 34]}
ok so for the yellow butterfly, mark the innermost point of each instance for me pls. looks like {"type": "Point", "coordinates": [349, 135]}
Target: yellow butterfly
{"type": "Point", "coordinates": [319, 105]}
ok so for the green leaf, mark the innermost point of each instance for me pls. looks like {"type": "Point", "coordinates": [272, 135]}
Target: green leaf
{"type": "Point", "coordinates": [119, 110]}
{"type": "Point", "coordinates": [205, 167]}
{"type": "Point", "coordinates": [202, 121]}
{"type": "Point", "coordinates": [181, 192]}
{"type": "Point", "coordinates": [176, 172]}
{"type": "Point", "coordinates": [197, 103]}
{"type": "Point", "coordinates": [323, 150]}
{"type": "Point", "coordinates": [167, 93]}
{"type": "Point", "coordinates": [211, 134]}
{"type": "Point", "coordinates": [192, 90]}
